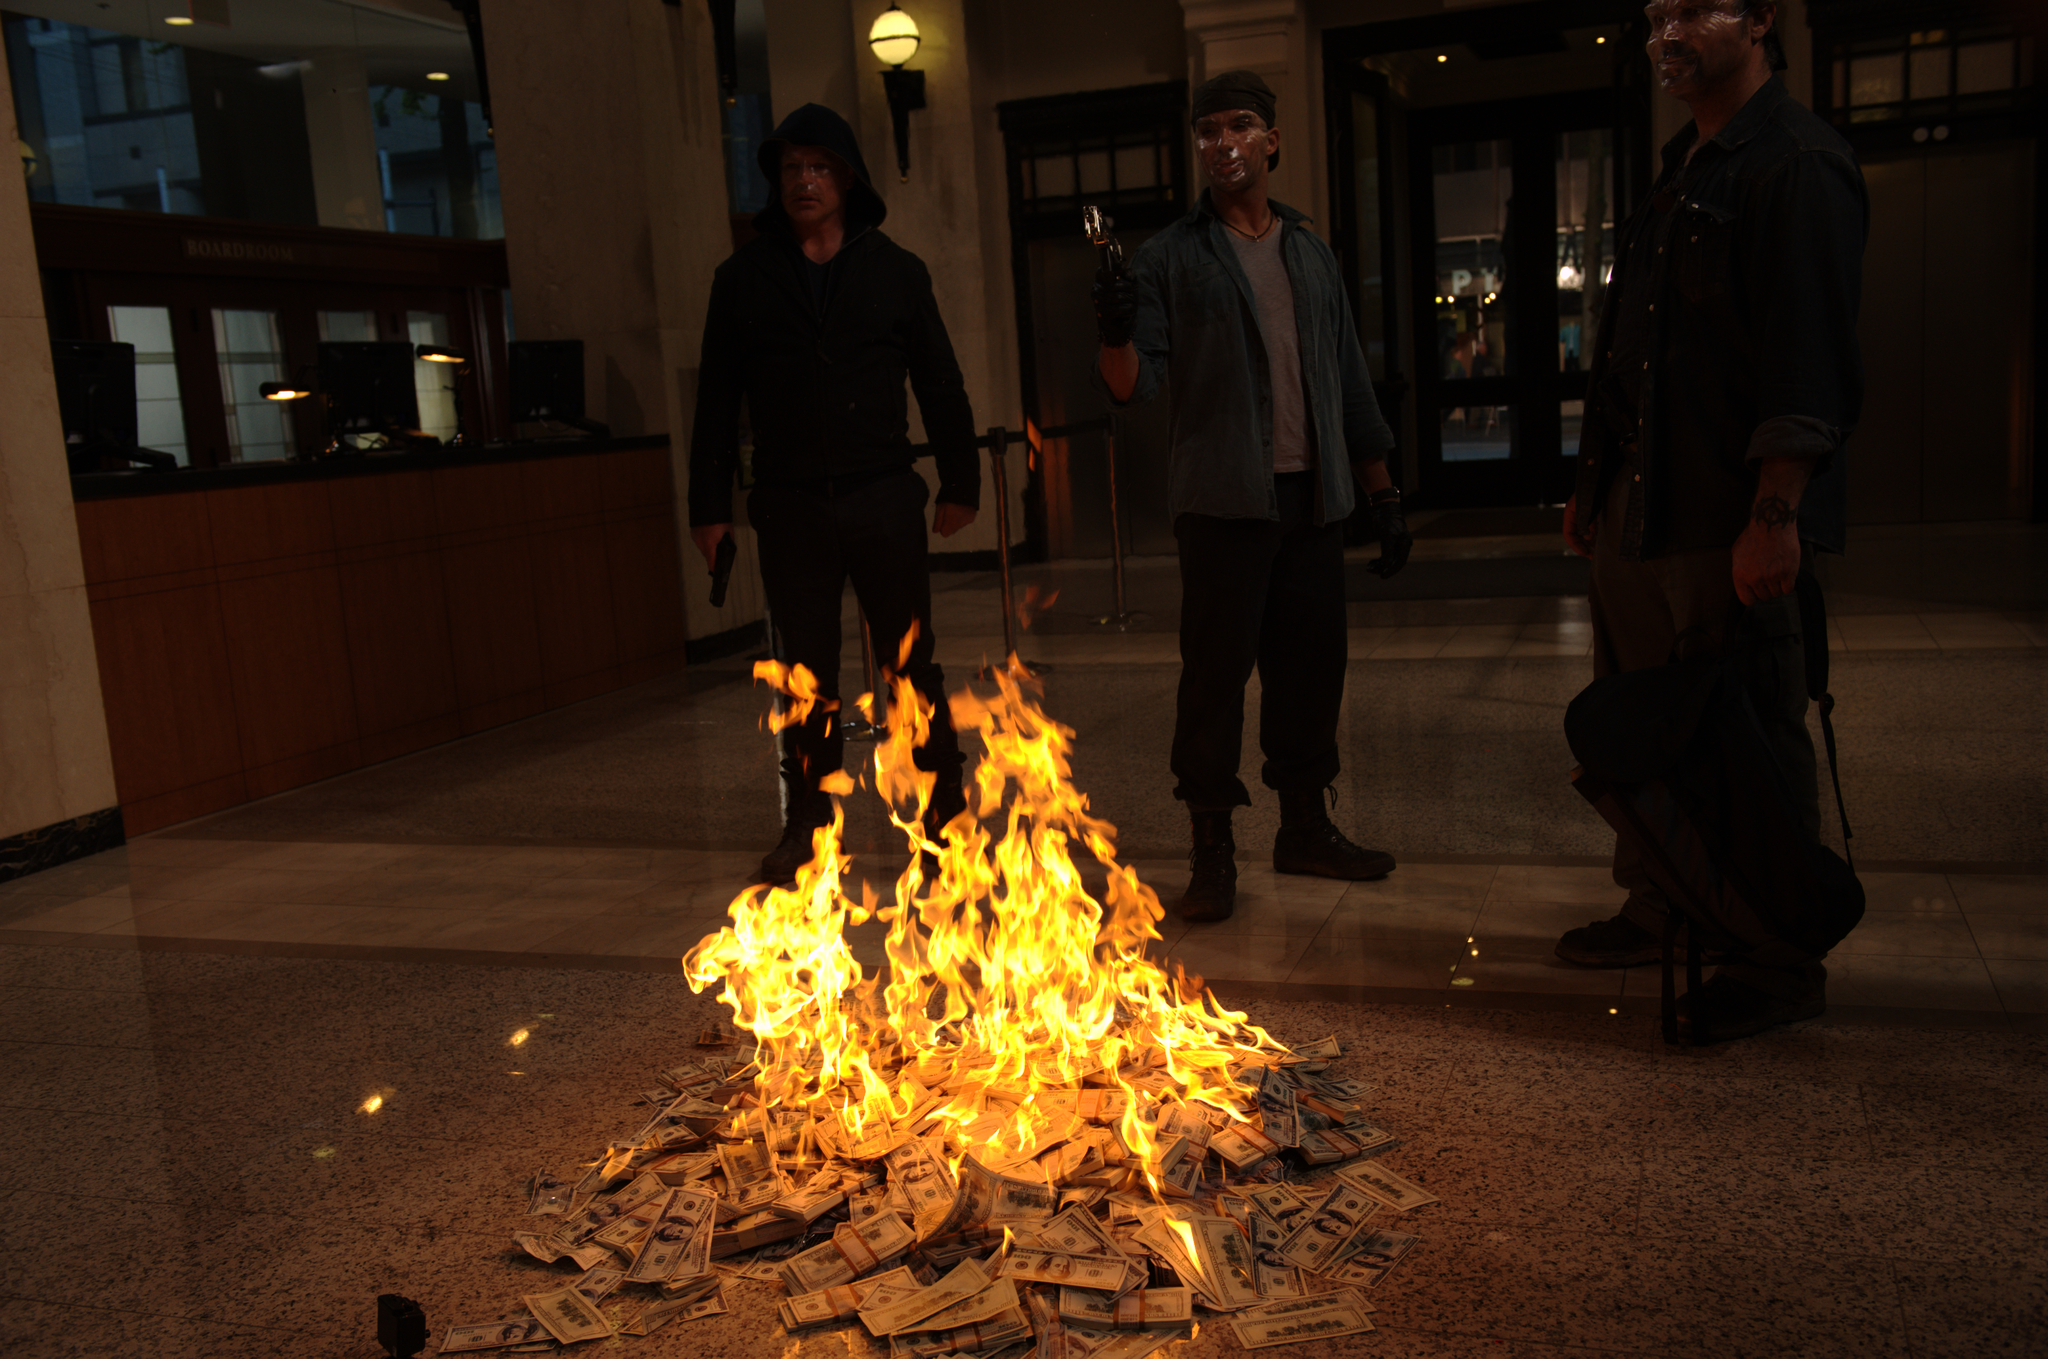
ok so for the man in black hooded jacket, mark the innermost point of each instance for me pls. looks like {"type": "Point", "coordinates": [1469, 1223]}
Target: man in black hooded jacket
{"type": "Point", "coordinates": [814, 326]}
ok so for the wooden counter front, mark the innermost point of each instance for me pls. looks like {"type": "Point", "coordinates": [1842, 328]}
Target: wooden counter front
{"type": "Point", "coordinates": [255, 638]}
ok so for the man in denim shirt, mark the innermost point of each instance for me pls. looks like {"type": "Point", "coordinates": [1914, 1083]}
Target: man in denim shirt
{"type": "Point", "coordinates": [1273, 414]}
{"type": "Point", "coordinates": [1725, 380]}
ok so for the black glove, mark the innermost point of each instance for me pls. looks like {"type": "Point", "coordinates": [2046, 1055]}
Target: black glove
{"type": "Point", "coordinates": [1395, 541]}
{"type": "Point", "coordinates": [1116, 308]}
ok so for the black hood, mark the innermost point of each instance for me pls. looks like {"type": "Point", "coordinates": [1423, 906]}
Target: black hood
{"type": "Point", "coordinates": [816, 125]}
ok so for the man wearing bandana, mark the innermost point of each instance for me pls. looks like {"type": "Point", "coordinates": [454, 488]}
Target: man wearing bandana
{"type": "Point", "coordinates": [1273, 419]}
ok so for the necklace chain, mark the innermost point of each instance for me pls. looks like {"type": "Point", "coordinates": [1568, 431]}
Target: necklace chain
{"type": "Point", "coordinates": [1272, 218]}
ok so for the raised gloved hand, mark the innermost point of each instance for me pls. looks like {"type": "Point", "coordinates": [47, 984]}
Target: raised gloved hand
{"type": "Point", "coordinates": [1391, 527]}
{"type": "Point", "coordinates": [1116, 308]}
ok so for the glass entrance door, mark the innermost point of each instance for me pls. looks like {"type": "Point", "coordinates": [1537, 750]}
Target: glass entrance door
{"type": "Point", "coordinates": [1513, 214]}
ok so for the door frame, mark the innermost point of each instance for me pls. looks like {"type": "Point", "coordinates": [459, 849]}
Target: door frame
{"type": "Point", "coordinates": [1538, 470]}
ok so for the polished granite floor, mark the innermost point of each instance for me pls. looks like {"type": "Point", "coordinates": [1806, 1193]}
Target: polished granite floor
{"type": "Point", "coordinates": [190, 1168]}
{"type": "Point", "coordinates": [192, 1024]}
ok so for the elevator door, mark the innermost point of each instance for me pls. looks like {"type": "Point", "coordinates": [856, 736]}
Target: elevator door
{"type": "Point", "coordinates": [1946, 331]}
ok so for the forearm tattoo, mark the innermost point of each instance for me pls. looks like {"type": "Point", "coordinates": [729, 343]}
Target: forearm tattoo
{"type": "Point", "coordinates": [1773, 512]}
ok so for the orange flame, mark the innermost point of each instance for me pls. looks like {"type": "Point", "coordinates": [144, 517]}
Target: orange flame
{"type": "Point", "coordinates": [1007, 979]}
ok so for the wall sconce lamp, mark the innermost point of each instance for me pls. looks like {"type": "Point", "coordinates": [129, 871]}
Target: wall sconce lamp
{"type": "Point", "coordinates": [894, 39]}
{"type": "Point", "coordinates": [283, 391]}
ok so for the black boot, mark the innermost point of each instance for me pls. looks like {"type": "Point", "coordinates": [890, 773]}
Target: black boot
{"type": "Point", "coordinates": [1309, 842]}
{"type": "Point", "coordinates": [780, 864]}
{"type": "Point", "coordinates": [948, 801]}
{"type": "Point", "coordinates": [1212, 865]}
{"type": "Point", "coordinates": [1725, 1008]}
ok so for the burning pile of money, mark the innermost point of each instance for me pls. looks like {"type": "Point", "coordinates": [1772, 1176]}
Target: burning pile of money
{"type": "Point", "coordinates": [1029, 1136]}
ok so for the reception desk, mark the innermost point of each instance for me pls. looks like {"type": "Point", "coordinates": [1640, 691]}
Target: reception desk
{"type": "Point", "coordinates": [264, 626]}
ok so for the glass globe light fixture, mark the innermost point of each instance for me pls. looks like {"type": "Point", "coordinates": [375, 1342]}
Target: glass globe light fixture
{"type": "Point", "coordinates": [894, 36]}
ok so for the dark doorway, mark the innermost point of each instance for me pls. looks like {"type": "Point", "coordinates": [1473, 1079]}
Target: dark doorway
{"type": "Point", "coordinates": [1124, 151]}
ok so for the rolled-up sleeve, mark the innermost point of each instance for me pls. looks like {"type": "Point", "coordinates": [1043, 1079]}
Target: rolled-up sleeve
{"type": "Point", "coordinates": [1804, 291]}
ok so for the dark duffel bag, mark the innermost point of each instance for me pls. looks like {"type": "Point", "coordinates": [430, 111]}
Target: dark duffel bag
{"type": "Point", "coordinates": [1675, 759]}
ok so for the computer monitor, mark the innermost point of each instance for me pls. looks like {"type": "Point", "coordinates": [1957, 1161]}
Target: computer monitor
{"type": "Point", "coordinates": [369, 386]}
{"type": "Point", "coordinates": [547, 380]}
{"type": "Point", "coordinates": [95, 393]}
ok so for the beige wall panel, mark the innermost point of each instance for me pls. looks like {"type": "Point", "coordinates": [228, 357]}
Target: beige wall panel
{"type": "Point", "coordinates": [348, 187]}
{"type": "Point", "coordinates": [53, 731]}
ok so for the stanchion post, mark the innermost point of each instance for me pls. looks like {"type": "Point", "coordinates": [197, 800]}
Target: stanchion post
{"type": "Point", "coordinates": [998, 441]}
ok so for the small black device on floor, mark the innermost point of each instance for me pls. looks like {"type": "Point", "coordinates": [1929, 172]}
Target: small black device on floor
{"type": "Point", "coordinates": [401, 1326]}
{"type": "Point", "coordinates": [721, 570]}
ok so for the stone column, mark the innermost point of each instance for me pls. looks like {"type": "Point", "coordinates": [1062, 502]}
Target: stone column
{"type": "Point", "coordinates": [57, 795]}
{"type": "Point", "coordinates": [348, 185]}
{"type": "Point", "coordinates": [612, 176]}
{"type": "Point", "coordinates": [1273, 38]}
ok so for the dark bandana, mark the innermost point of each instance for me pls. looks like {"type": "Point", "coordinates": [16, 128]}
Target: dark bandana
{"type": "Point", "coordinates": [1236, 90]}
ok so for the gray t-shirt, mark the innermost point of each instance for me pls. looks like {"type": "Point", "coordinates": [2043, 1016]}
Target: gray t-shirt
{"type": "Point", "coordinates": [1274, 294]}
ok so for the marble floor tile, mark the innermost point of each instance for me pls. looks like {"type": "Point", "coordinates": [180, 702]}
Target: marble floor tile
{"type": "Point", "coordinates": [314, 856]}
{"type": "Point", "coordinates": [1480, 641]}
{"type": "Point", "coordinates": [1484, 967]}
{"type": "Point", "coordinates": [1921, 983]}
{"type": "Point", "coordinates": [1553, 1184]}
{"type": "Point", "coordinates": [81, 916]}
{"type": "Point", "coordinates": [1985, 1121]}
{"type": "Point", "coordinates": [2022, 986]}
{"type": "Point", "coordinates": [1923, 892]}
{"type": "Point", "coordinates": [1418, 964]}
{"type": "Point", "coordinates": [278, 886]}
{"type": "Point", "coordinates": [174, 852]}
{"type": "Point", "coordinates": [631, 936]}
{"type": "Point", "coordinates": [1360, 643]}
{"type": "Point", "coordinates": [1885, 632]}
{"type": "Point", "coordinates": [1272, 917]}
{"type": "Point", "coordinates": [1249, 957]}
{"type": "Point", "coordinates": [1973, 631]}
{"type": "Point", "coordinates": [1976, 1307]}
{"type": "Point", "coordinates": [1920, 934]}
{"type": "Point", "coordinates": [1426, 882]}
{"type": "Point", "coordinates": [1528, 882]}
{"type": "Point", "coordinates": [1446, 922]}
{"type": "Point", "coordinates": [186, 919]}
{"type": "Point", "coordinates": [22, 905]}
{"type": "Point", "coordinates": [1419, 643]}
{"type": "Point", "coordinates": [1531, 926]}
{"type": "Point", "coordinates": [2015, 935]}
{"type": "Point", "coordinates": [1601, 1291]}
{"type": "Point", "coordinates": [69, 882]}
{"type": "Point", "coordinates": [441, 889]}
{"type": "Point", "coordinates": [1981, 893]}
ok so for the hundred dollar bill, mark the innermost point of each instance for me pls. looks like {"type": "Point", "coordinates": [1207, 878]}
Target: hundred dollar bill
{"type": "Point", "coordinates": [546, 1195]}
{"type": "Point", "coordinates": [597, 1284]}
{"type": "Point", "coordinates": [983, 1196]}
{"type": "Point", "coordinates": [809, 1204]}
{"type": "Point", "coordinates": [627, 1232]}
{"type": "Point", "coordinates": [595, 1216]}
{"type": "Point", "coordinates": [841, 1301]}
{"type": "Point", "coordinates": [1276, 1109]}
{"type": "Point", "coordinates": [1242, 1146]}
{"type": "Point", "coordinates": [1371, 1259]}
{"type": "Point", "coordinates": [966, 1279]}
{"type": "Point", "coordinates": [852, 1252]}
{"type": "Point", "coordinates": [1277, 1279]}
{"type": "Point", "coordinates": [1145, 1307]}
{"type": "Point", "coordinates": [995, 1300]}
{"type": "Point", "coordinates": [1326, 1048]}
{"type": "Point", "coordinates": [543, 1248]}
{"type": "Point", "coordinates": [1328, 1322]}
{"type": "Point", "coordinates": [708, 1300]}
{"type": "Point", "coordinates": [1094, 1106]}
{"type": "Point", "coordinates": [1324, 1238]}
{"type": "Point", "coordinates": [1097, 1343]}
{"type": "Point", "coordinates": [569, 1316]}
{"type": "Point", "coordinates": [492, 1335]}
{"type": "Point", "coordinates": [1384, 1185]}
{"type": "Point", "coordinates": [1225, 1258]}
{"type": "Point", "coordinates": [679, 1246]}
{"type": "Point", "coordinates": [918, 1176]}
{"type": "Point", "coordinates": [980, 1338]}
{"type": "Point", "coordinates": [1110, 1274]}
{"type": "Point", "coordinates": [1074, 1231]}
{"type": "Point", "coordinates": [1283, 1203]}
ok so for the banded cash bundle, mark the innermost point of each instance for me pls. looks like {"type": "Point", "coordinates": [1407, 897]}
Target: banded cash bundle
{"type": "Point", "coordinates": [956, 1206]}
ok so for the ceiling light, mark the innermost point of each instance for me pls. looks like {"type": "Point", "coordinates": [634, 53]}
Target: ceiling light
{"type": "Point", "coordinates": [1597, 42]}
{"type": "Point", "coordinates": [179, 20]}
{"type": "Point", "coordinates": [1442, 56]}
{"type": "Point", "coordinates": [281, 391]}
{"type": "Point", "coordinates": [437, 75]}
{"type": "Point", "coordinates": [435, 354]}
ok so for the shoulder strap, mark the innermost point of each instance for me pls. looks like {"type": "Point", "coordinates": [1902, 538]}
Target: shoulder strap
{"type": "Point", "coordinates": [1813, 629]}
